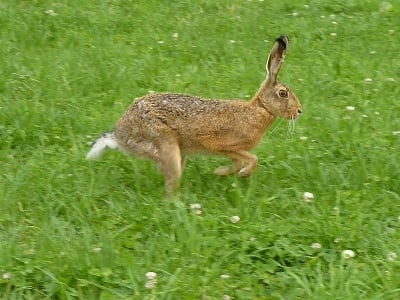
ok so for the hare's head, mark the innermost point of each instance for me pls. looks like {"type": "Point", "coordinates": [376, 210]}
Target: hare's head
{"type": "Point", "coordinates": [276, 97]}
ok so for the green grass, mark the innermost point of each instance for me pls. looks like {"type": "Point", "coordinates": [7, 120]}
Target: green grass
{"type": "Point", "coordinates": [74, 229]}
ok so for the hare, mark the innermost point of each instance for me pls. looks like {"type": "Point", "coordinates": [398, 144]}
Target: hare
{"type": "Point", "coordinates": [165, 127]}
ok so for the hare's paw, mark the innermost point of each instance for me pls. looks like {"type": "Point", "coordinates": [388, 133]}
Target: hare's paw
{"type": "Point", "coordinates": [245, 172]}
{"type": "Point", "coordinates": [225, 170]}
{"type": "Point", "coordinates": [248, 169]}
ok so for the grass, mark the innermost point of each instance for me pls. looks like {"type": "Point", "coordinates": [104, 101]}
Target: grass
{"type": "Point", "coordinates": [73, 229]}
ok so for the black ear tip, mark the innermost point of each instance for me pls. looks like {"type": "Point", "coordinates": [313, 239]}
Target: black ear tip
{"type": "Point", "coordinates": [284, 39]}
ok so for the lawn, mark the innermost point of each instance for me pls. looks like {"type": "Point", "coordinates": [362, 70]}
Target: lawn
{"type": "Point", "coordinates": [77, 229]}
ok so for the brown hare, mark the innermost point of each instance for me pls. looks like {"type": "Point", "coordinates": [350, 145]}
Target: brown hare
{"type": "Point", "coordinates": [166, 126]}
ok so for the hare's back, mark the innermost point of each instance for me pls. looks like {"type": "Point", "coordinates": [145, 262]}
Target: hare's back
{"type": "Point", "coordinates": [176, 105]}
{"type": "Point", "coordinates": [174, 109]}
{"type": "Point", "coordinates": [177, 111]}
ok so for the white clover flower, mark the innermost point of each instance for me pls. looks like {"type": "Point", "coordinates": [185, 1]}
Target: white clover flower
{"type": "Point", "coordinates": [6, 275]}
{"type": "Point", "coordinates": [308, 197]}
{"type": "Point", "coordinates": [316, 246]}
{"type": "Point", "coordinates": [333, 34]}
{"type": "Point", "coordinates": [232, 41]}
{"type": "Point", "coordinates": [303, 138]}
{"type": "Point", "coordinates": [96, 249]}
{"type": "Point", "coordinates": [152, 280]}
{"type": "Point", "coordinates": [151, 275]}
{"type": "Point", "coordinates": [226, 297]}
{"type": "Point", "coordinates": [391, 256]}
{"type": "Point", "coordinates": [395, 132]}
{"type": "Point", "coordinates": [306, 6]}
{"type": "Point", "coordinates": [368, 80]}
{"type": "Point", "coordinates": [175, 35]}
{"type": "Point", "coordinates": [234, 219]}
{"type": "Point", "coordinates": [195, 206]}
{"type": "Point", "coordinates": [346, 254]}
{"type": "Point", "coordinates": [224, 276]}
{"type": "Point", "coordinates": [350, 108]}
{"type": "Point", "coordinates": [295, 14]}
{"type": "Point", "coordinates": [337, 240]}
{"type": "Point", "coordinates": [51, 12]}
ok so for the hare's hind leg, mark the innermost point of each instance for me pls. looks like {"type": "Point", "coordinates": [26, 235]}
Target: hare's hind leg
{"type": "Point", "coordinates": [170, 163]}
{"type": "Point", "coordinates": [243, 161]}
{"type": "Point", "coordinates": [251, 163]}
{"type": "Point", "coordinates": [230, 169]}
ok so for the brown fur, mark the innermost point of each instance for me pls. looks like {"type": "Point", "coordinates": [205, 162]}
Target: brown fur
{"type": "Point", "coordinates": [166, 126]}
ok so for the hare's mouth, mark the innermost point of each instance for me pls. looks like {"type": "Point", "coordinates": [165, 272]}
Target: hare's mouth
{"type": "Point", "coordinates": [294, 114]}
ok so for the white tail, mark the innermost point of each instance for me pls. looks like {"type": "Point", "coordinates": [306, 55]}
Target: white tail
{"type": "Point", "coordinates": [107, 139]}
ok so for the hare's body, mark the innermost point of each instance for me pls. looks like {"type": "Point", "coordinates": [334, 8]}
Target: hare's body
{"type": "Point", "coordinates": [166, 126]}
{"type": "Point", "coordinates": [231, 125]}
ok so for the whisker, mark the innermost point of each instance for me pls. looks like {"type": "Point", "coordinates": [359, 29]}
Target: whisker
{"type": "Point", "coordinates": [291, 126]}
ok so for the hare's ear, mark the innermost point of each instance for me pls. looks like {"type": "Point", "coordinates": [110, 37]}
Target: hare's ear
{"type": "Point", "coordinates": [276, 57]}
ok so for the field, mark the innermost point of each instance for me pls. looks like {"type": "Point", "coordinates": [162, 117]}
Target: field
{"type": "Point", "coordinates": [77, 229]}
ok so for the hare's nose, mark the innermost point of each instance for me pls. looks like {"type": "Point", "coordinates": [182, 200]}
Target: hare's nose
{"type": "Point", "coordinates": [299, 110]}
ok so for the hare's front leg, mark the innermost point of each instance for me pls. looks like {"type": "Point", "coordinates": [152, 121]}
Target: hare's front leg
{"type": "Point", "coordinates": [170, 163]}
{"type": "Point", "coordinates": [243, 161]}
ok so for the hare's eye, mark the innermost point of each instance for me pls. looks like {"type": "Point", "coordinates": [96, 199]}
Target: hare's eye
{"type": "Point", "coordinates": [283, 93]}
